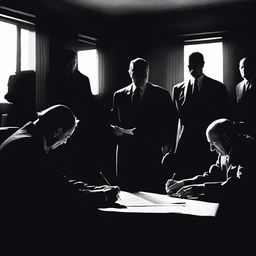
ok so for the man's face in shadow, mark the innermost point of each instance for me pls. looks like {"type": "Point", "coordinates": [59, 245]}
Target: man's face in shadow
{"type": "Point", "coordinates": [195, 68]}
{"type": "Point", "coordinates": [246, 69]}
{"type": "Point", "coordinates": [69, 66]}
{"type": "Point", "coordinates": [139, 73]}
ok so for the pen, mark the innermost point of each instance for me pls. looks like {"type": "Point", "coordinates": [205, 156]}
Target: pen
{"type": "Point", "coordinates": [105, 179]}
{"type": "Point", "coordinates": [173, 175]}
{"type": "Point", "coordinates": [107, 182]}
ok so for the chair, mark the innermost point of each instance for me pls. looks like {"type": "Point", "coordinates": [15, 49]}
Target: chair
{"type": "Point", "coordinates": [22, 96]}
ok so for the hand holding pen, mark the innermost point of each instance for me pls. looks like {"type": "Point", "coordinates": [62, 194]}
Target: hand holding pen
{"type": "Point", "coordinates": [172, 186]}
{"type": "Point", "coordinates": [112, 192]}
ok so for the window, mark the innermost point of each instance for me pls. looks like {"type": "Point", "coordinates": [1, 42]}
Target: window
{"type": "Point", "coordinates": [88, 65]}
{"type": "Point", "coordinates": [213, 57]}
{"type": "Point", "coordinates": [17, 52]}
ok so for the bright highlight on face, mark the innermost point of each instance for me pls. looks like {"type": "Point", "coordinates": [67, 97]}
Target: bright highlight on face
{"type": "Point", "coordinates": [62, 138]}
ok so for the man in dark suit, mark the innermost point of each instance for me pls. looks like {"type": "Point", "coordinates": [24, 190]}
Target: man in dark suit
{"type": "Point", "coordinates": [231, 183]}
{"type": "Point", "coordinates": [40, 205]}
{"type": "Point", "coordinates": [148, 115]}
{"type": "Point", "coordinates": [246, 94]}
{"type": "Point", "coordinates": [199, 101]}
{"type": "Point", "coordinates": [66, 85]}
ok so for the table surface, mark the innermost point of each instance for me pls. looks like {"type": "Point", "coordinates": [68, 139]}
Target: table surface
{"type": "Point", "coordinates": [146, 202]}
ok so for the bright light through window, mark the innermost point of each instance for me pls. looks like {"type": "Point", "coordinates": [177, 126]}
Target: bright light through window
{"type": "Point", "coordinates": [27, 50]}
{"type": "Point", "coordinates": [8, 46]}
{"type": "Point", "coordinates": [213, 57]}
{"type": "Point", "coordinates": [88, 65]}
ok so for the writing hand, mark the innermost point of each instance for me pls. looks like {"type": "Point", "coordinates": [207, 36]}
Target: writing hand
{"type": "Point", "coordinates": [172, 186]}
{"type": "Point", "coordinates": [191, 191]}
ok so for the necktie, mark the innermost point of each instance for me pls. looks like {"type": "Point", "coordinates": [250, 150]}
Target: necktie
{"type": "Point", "coordinates": [136, 105]}
{"type": "Point", "coordinates": [195, 88]}
{"type": "Point", "coordinates": [136, 100]}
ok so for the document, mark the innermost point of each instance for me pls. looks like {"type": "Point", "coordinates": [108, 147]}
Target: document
{"type": "Point", "coordinates": [146, 202]}
{"type": "Point", "coordinates": [123, 130]}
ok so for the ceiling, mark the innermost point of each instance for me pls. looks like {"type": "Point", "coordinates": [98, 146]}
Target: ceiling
{"type": "Point", "coordinates": [122, 7]}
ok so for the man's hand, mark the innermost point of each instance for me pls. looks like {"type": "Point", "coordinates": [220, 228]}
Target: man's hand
{"type": "Point", "coordinates": [172, 186]}
{"type": "Point", "coordinates": [111, 193]}
{"type": "Point", "coordinates": [191, 191]}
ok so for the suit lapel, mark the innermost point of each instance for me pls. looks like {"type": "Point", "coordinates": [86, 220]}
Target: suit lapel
{"type": "Point", "coordinates": [239, 91]}
{"type": "Point", "coordinates": [184, 95]}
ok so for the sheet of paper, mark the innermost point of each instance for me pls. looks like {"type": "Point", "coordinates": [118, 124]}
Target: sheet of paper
{"type": "Point", "coordinates": [123, 130]}
{"type": "Point", "coordinates": [145, 202]}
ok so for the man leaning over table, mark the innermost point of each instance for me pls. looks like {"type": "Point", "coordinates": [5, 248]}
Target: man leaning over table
{"type": "Point", "coordinates": [39, 204]}
{"type": "Point", "coordinates": [230, 182]}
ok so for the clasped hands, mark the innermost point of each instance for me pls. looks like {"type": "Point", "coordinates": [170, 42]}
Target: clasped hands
{"type": "Point", "coordinates": [180, 189]}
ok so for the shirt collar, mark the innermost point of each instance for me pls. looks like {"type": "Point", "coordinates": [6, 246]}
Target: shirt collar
{"type": "Point", "coordinates": [199, 80]}
{"type": "Point", "coordinates": [142, 88]}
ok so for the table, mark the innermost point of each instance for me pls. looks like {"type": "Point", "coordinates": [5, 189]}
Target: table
{"type": "Point", "coordinates": [146, 202]}
{"type": "Point", "coordinates": [155, 224]}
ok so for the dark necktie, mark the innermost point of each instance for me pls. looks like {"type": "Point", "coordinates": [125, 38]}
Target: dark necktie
{"type": "Point", "coordinates": [136, 104]}
{"type": "Point", "coordinates": [136, 100]}
{"type": "Point", "coordinates": [195, 88]}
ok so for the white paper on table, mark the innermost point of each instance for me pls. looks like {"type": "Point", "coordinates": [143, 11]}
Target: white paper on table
{"type": "Point", "coordinates": [145, 202]}
{"type": "Point", "coordinates": [123, 130]}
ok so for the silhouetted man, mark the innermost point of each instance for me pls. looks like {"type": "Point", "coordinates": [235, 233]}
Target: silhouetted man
{"type": "Point", "coordinates": [147, 113]}
{"type": "Point", "coordinates": [199, 101]}
{"type": "Point", "coordinates": [245, 108]}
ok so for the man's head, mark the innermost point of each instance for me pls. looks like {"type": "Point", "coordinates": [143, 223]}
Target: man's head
{"type": "Point", "coordinates": [246, 68]}
{"type": "Point", "coordinates": [220, 134]}
{"type": "Point", "coordinates": [139, 71]}
{"type": "Point", "coordinates": [68, 61]}
{"type": "Point", "coordinates": [196, 64]}
{"type": "Point", "coordinates": [57, 123]}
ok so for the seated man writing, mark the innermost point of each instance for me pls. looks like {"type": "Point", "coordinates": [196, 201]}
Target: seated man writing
{"type": "Point", "coordinates": [37, 198]}
{"type": "Point", "coordinates": [233, 171]}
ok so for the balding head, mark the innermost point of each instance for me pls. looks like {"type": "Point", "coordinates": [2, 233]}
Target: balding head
{"type": "Point", "coordinates": [57, 124]}
{"type": "Point", "coordinates": [246, 68]}
{"type": "Point", "coordinates": [219, 134]}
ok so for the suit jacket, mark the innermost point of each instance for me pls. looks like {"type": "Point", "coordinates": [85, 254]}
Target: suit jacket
{"type": "Point", "coordinates": [139, 156]}
{"type": "Point", "coordinates": [195, 114]}
{"type": "Point", "coordinates": [244, 109]}
{"type": "Point", "coordinates": [73, 91]}
{"type": "Point", "coordinates": [34, 195]}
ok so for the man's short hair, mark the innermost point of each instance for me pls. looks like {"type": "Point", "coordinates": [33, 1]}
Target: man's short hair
{"type": "Point", "coordinates": [57, 116]}
{"type": "Point", "coordinates": [66, 55]}
{"type": "Point", "coordinates": [196, 58]}
{"type": "Point", "coordinates": [138, 64]}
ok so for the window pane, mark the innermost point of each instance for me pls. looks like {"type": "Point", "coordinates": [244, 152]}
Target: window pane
{"type": "Point", "coordinates": [213, 57]}
{"type": "Point", "coordinates": [8, 46]}
{"type": "Point", "coordinates": [88, 65]}
{"type": "Point", "coordinates": [27, 50]}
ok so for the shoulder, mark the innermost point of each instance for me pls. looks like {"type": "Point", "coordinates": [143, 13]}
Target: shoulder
{"type": "Point", "coordinates": [123, 90]}
{"type": "Point", "coordinates": [179, 86]}
{"type": "Point", "coordinates": [240, 84]}
{"type": "Point", "coordinates": [212, 81]}
{"type": "Point", "coordinates": [157, 88]}
{"type": "Point", "coordinates": [79, 75]}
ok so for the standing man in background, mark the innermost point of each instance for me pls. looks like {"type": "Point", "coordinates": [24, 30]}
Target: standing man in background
{"type": "Point", "coordinates": [246, 94]}
{"type": "Point", "coordinates": [66, 85]}
{"type": "Point", "coordinates": [144, 122]}
{"type": "Point", "coordinates": [199, 101]}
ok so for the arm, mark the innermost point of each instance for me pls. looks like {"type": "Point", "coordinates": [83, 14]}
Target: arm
{"type": "Point", "coordinates": [214, 174]}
